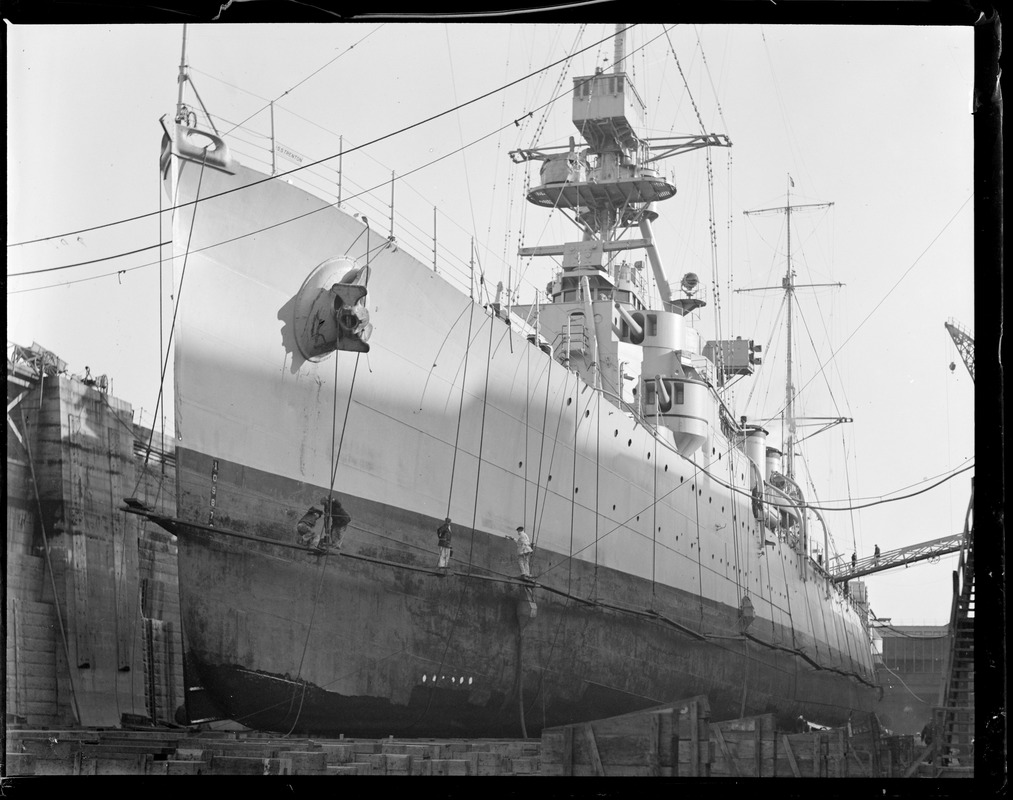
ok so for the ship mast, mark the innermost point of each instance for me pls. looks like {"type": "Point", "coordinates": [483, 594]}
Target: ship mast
{"type": "Point", "coordinates": [611, 185]}
{"type": "Point", "coordinates": [180, 112]}
{"type": "Point", "coordinates": [789, 286]}
{"type": "Point", "coordinates": [789, 404]}
{"type": "Point", "coordinates": [619, 53]}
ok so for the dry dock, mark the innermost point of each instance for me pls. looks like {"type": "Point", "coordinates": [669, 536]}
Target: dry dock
{"type": "Point", "coordinates": [672, 740]}
{"type": "Point", "coordinates": [177, 752]}
{"type": "Point", "coordinates": [96, 678]}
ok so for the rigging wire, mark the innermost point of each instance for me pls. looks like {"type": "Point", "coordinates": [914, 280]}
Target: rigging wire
{"type": "Point", "coordinates": [365, 192]}
{"type": "Point", "coordinates": [279, 175]}
{"type": "Point", "coordinates": [94, 260]}
{"type": "Point", "coordinates": [330, 157]}
{"type": "Point", "coordinates": [172, 327]}
{"type": "Point", "coordinates": [700, 470]}
{"type": "Point", "coordinates": [460, 410]}
{"type": "Point", "coordinates": [880, 303]}
{"type": "Point", "coordinates": [315, 72]}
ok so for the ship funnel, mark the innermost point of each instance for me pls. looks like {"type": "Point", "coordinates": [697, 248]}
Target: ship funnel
{"type": "Point", "coordinates": [773, 461]}
{"type": "Point", "coordinates": [756, 446]}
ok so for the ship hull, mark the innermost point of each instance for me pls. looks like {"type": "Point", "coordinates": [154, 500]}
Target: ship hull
{"type": "Point", "coordinates": [644, 555]}
{"type": "Point", "coordinates": [375, 640]}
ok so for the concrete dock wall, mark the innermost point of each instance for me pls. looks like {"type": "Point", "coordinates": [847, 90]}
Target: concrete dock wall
{"type": "Point", "coordinates": [92, 612]}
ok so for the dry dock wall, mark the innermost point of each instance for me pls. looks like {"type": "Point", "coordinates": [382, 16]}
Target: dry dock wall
{"type": "Point", "coordinates": [92, 615]}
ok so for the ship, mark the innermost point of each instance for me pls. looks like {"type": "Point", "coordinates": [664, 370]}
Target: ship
{"type": "Point", "coordinates": [337, 401]}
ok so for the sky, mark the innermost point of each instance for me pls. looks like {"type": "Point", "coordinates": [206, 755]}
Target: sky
{"type": "Point", "coordinates": [875, 120]}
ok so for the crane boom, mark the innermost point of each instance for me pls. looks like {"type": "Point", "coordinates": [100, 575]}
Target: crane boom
{"type": "Point", "coordinates": [965, 343]}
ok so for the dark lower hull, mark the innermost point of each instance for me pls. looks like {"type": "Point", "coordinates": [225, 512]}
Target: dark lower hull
{"type": "Point", "coordinates": [279, 704]}
{"type": "Point", "coordinates": [374, 641]}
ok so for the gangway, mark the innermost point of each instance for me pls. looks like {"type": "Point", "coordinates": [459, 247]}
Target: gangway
{"type": "Point", "coordinates": [900, 557]}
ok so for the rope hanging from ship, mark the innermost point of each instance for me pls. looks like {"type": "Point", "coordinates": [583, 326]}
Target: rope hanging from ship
{"type": "Point", "coordinates": [460, 415]}
{"type": "Point", "coordinates": [704, 471]}
{"type": "Point", "coordinates": [642, 613]}
{"type": "Point", "coordinates": [328, 522]}
{"type": "Point", "coordinates": [172, 327]}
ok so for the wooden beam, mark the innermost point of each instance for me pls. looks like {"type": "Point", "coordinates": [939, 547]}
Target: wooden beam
{"type": "Point", "coordinates": [791, 756]}
{"type": "Point", "coordinates": [567, 759]}
{"type": "Point", "coordinates": [654, 753]}
{"type": "Point", "coordinates": [876, 769]}
{"type": "Point", "coordinates": [921, 757]}
{"type": "Point", "coordinates": [694, 741]}
{"type": "Point", "coordinates": [592, 747]}
{"type": "Point", "coordinates": [858, 761]}
{"type": "Point", "coordinates": [675, 743]}
{"type": "Point", "coordinates": [723, 747]}
{"type": "Point", "coordinates": [758, 740]}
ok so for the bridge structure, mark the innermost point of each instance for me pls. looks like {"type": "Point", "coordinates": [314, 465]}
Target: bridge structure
{"type": "Point", "coordinates": [901, 557]}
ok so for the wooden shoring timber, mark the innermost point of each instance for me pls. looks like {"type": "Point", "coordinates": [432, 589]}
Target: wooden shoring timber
{"type": "Point", "coordinates": [664, 740]}
{"type": "Point", "coordinates": [791, 756]}
{"type": "Point", "coordinates": [744, 747]}
{"type": "Point", "coordinates": [723, 746]}
{"type": "Point", "coordinates": [592, 748]}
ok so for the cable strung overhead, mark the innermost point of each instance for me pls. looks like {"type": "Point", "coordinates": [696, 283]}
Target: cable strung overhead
{"type": "Point", "coordinates": [334, 155]}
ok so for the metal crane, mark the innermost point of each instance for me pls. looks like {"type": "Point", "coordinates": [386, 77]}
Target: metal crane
{"type": "Point", "coordinates": [965, 344]}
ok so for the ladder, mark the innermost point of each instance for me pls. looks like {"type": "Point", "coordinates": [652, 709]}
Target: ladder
{"type": "Point", "coordinates": [954, 719]}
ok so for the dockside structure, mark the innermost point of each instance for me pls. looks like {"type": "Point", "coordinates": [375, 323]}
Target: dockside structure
{"type": "Point", "coordinates": [92, 610]}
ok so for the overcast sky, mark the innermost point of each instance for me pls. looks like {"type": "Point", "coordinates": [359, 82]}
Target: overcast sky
{"type": "Point", "coordinates": [875, 120]}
